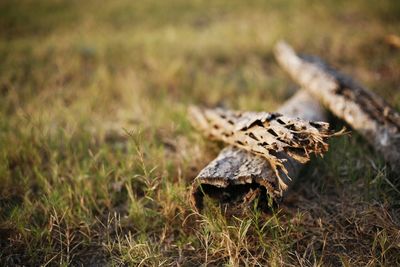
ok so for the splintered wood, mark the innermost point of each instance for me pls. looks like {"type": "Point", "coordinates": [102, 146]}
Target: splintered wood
{"type": "Point", "coordinates": [264, 134]}
{"type": "Point", "coordinates": [236, 172]}
{"type": "Point", "coordinates": [363, 110]}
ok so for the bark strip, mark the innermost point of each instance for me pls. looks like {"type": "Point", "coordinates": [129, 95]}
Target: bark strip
{"type": "Point", "coordinates": [363, 110]}
{"type": "Point", "coordinates": [236, 174]}
{"type": "Point", "coordinates": [264, 134]}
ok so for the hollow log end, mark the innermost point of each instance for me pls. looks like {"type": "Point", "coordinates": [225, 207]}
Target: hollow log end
{"type": "Point", "coordinates": [234, 177]}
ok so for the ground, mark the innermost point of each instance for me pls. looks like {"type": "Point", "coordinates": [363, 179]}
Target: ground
{"type": "Point", "coordinates": [97, 154]}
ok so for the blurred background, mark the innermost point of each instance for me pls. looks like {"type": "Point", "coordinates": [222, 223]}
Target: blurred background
{"type": "Point", "coordinates": [96, 152]}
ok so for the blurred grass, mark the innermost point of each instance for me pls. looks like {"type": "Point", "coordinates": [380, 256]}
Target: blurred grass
{"type": "Point", "coordinates": [96, 153]}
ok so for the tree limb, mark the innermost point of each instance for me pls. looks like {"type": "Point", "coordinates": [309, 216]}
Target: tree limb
{"type": "Point", "coordinates": [363, 110]}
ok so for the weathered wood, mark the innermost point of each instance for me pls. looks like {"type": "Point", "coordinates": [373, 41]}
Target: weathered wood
{"type": "Point", "coordinates": [363, 110]}
{"type": "Point", "coordinates": [264, 134]}
{"type": "Point", "coordinates": [237, 167]}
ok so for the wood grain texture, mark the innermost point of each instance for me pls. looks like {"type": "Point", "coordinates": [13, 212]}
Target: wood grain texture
{"type": "Point", "coordinates": [235, 166]}
{"type": "Point", "coordinates": [363, 110]}
{"type": "Point", "coordinates": [264, 134]}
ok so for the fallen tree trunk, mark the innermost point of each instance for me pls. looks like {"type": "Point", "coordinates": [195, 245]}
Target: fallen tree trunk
{"type": "Point", "coordinates": [363, 110]}
{"type": "Point", "coordinates": [235, 175]}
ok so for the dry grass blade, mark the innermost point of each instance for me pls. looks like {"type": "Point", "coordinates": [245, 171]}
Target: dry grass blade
{"type": "Point", "coordinates": [264, 134]}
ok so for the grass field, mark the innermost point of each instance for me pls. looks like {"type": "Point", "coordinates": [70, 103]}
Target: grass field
{"type": "Point", "coordinates": [97, 154]}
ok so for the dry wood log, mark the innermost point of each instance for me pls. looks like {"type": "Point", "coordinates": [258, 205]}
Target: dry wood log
{"type": "Point", "coordinates": [363, 110]}
{"type": "Point", "coordinates": [235, 175]}
{"type": "Point", "coordinates": [264, 134]}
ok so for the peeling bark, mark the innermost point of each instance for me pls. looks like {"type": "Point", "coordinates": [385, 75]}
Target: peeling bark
{"type": "Point", "coordinates": [264, 134]}
{"type": "Point", "coordinates": [237, 175]}
{"type": "Point", "coordinates": [363, 110]}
